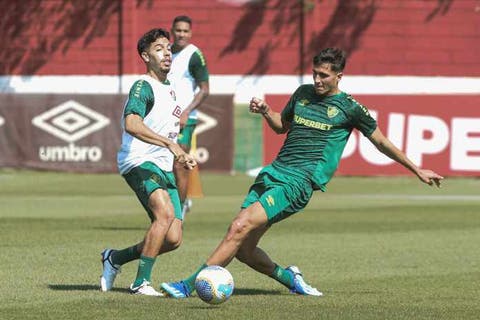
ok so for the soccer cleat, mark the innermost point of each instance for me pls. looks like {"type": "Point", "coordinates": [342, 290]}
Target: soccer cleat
{"type": "Point", "coordinates": [299, 284]}
{"type": "Point", "coordinates": [175, 290]}
{"type": "Point", "coordinates": [110, 271]}
{"type": "Point", "coordinates": [145, 289]}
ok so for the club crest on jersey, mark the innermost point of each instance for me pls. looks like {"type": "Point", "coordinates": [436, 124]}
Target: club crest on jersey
{"type": "Point", "coordinates": [304, 102]}
{"type": "Point", "coordinates": [332, 112]}
{"type": "Point", "coordinates": [177, 112]}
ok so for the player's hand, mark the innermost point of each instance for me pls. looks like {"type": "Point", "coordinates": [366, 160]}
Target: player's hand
{"type": "Point", "coordinates": [182, 157]}
{"type": "Point", "coordinates": [184, 118]}
{"type": "Point", "coordinates": [187, 160]}
{"type": "Point", "coordinates": [429, 177]}
{"type": "Point", "coordinates": [258, 106]}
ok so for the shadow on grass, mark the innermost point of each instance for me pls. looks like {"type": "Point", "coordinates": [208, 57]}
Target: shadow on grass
{"type": "Point", "coordinates": [90, 287]}
{"type": "Point", "coordinates": [252, 292]}
{"type": "Point", "coordinates": [81, 287]}
{"type": "Point", "coordinates": [240, 292]}
{"type": "Point", "coordinates": [121, 228]}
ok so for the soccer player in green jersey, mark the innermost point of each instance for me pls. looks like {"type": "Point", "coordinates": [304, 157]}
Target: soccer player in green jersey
{"type": "Point", "coordinates": [318, 120]}
{"type": "Point", "coordinates": [150, 123]}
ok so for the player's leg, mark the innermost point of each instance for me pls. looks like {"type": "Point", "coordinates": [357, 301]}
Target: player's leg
{"type": "Point", "coordinates": [163, 216]}
{"type": "Point", "coordinates": [174, 235]}
{"type": "Point", "coordinates": [248, 219]}
{"type": "Point", "coordinates": [291, 277]}
{"type": "Point", "coordinates": [181, 173]}
{"type": "Point", "coordinates": [279, 201]}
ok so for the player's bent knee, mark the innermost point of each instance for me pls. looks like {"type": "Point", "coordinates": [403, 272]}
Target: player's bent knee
{"type": "Point", "coordinates": [170, 246]}
{"type": "Point", "coordinates": [164, 220]}
{"type": "Point", "coordinates": [174, 242]}
{"type": "Point", "coordinates": [239, 228]}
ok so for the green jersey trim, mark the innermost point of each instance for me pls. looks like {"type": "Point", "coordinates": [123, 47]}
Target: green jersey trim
{"type": "Point", "coordinates": [140, 99]}
{"type": "Point", "coordinates": [197, 67]}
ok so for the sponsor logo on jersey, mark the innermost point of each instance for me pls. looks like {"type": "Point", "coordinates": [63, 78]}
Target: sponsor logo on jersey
{"type": "Point", "coordinates": [311, 123]}
{"type": "Point", "coordinates": [155, 178]}
{"type": "Point", "coordinates": [270, 200]}
{"type": "Point", "coordinates": [172, 135]}
{"type": "Point", "coordinates": [177, 112]}
{"type": "Point", "coordinates": [332, 112]}
{"type": "Point", "coordinates": [70, 122]}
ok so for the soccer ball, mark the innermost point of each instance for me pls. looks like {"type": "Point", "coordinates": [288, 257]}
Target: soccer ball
{"type": "Point", "coordinates": [214, 284]}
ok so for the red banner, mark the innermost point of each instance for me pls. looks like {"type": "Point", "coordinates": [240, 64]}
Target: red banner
{"type": "Point", "coordinates": [81, 133]}
{"type": "Point", "coordinates": [438, 132]}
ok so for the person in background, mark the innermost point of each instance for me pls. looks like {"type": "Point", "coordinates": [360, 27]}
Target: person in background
{"type": "Point", "coordinates": [190, 78]}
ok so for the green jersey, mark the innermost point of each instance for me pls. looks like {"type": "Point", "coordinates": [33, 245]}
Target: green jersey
{"type": "Point", "coordinates": [320, 128]}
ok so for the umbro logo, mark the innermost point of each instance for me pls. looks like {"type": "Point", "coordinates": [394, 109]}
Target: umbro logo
{"type": "Point", "coordinates": [206, 123]}
{"type": "Point", "coordinates": [70, 121]}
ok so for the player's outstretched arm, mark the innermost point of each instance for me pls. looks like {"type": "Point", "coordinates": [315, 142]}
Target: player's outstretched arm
{"type": "Point", "coordinates": [274, 119]}
{"type": "Point", "coordinates": [388, 148]}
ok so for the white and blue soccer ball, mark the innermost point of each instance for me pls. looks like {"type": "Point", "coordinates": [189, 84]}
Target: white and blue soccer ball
{"type": "Point", "coordinates": [214, 284]}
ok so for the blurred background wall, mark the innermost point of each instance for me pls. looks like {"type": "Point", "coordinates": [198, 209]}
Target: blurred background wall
{"type": "Point", "coordinates": [66, 67]}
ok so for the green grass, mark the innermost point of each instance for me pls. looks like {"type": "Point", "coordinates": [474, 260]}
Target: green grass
{"type": "Point", "coordinates": [379, 248]}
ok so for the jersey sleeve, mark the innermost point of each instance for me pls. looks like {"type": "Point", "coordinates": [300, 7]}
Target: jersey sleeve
{"type": "Point", "coordinates": [362, 120]}
{"type": "Point", "coordinates": [140, 99]}
{"type": "Point", "coordinates": [289, 109]}
{"type": "Point", "coordinates": [198, 67]}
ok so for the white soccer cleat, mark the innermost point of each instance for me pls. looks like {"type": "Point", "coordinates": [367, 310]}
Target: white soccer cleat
{"type": "Point", "coordinates": [110, 271]}
{"type": "Point", "coordinates": [299, 284]}
{"type": "Point", "coordinates": [145, 289]}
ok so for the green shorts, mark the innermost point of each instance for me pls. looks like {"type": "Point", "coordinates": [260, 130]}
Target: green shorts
{"type": "Point", "coordinates": [279, 192]}
{"type": "Point", "coordinates": [186, 133]}
{"type": "Point", "coordinates": [147, 178]}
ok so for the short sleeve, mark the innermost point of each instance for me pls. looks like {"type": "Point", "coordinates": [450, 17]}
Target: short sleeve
{"type": "Point", "coordinates": [289, 109]}
{"type": "Point", "coordinates": [198, 67]}
{"type": "Point", "coordinates": [140, 99]}
{"type": "Point", "coordinates": [362, 120]}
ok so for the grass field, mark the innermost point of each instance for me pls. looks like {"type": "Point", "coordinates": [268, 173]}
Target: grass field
{"type": "Point", "coordinates": [379, 248]}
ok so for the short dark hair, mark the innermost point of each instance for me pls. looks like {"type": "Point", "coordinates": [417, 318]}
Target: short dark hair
{"type": "Point", "coordinates": [150, 37]}
{"type": "Point", "coordinates": [334, 56]}
{"type": "Point", "coordinates": [186, 19]}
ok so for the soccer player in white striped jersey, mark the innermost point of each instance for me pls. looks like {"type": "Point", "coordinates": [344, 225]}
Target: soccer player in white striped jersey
{"type": "Point", "coordinates": [190, 78]}
{"type": "Point", "coordinates": [151, 123]}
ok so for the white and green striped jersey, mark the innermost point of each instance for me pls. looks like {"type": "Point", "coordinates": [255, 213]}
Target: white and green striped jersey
{"type": "Point", "coordinates": [188, 68]}
{"type": "Point", "coordinates": [155, 103]}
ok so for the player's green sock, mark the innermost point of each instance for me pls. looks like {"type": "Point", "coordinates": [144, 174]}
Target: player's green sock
{"type": "Point", "coordinates": [190, 281]}
{"type": "Point", "coordinates": [144, 271]}
{"type": "Point", "coordinates": [282, 276]}
{"type": "Point", "coordinates": [125, 255]}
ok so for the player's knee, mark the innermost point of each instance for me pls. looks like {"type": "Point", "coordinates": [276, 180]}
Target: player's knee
{"type": "Point", "coordinates": [239, 228]}
{"type": "Point", "coordinates": [171, 245]}
{"type": "Point", "coordinates": [174, 241]}
{"type": "Point", "coordinates": [164, 219]}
